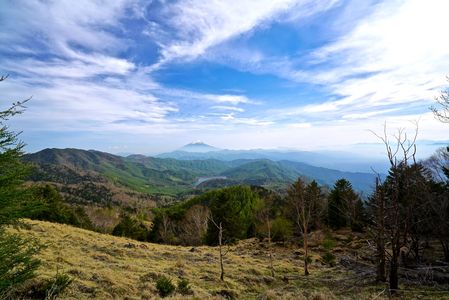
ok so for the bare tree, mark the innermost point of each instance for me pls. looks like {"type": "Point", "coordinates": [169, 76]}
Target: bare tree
{"type": "Point", "coordinates": [399, 204]}
{"type": "Point", "coordinates": [194, 226]}
{"type": "Point", "coordinates": [441, 110]}
{"type": "Point", "coordinates": [264, 215]}
{"type": "Point", "coordinates": [166, 230]}
{"type": "Point", "coordinates": [438, 164]}
{"type": "Point", "coordinates": [303, 204]}
{"type": "Point", "coordinates": [220, 245]}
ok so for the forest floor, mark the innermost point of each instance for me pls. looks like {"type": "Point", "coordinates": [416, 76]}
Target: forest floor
{"type": "Point", "coordinates": [108, 267]}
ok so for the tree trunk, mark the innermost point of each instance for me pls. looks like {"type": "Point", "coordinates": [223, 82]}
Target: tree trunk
{"type": "Point", "coordinates": [381, 262]}
{"type": "Point", "coordinates": [306, 251]}
{"type": "Point", "coordinates": [220, 237]}
{"type": "Point", "coordinates": [445, 246]}
{"type": "Point", "coordinates": [269, 248]}
{"type": "Point", "coordinates": [394, 265]}
{"type": "Point", "coordinates": [381, 274]}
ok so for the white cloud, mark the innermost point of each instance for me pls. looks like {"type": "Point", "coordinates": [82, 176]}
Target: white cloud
{"type": "Point", "coordinates": [395, 56]}
{"type": "Point", "coordinates": [231, 108]}
{"type": "Point", "coordinates": [217, 98]}
{"type": "Point", "coordinates": [67, 104]}
{"type": "Point", "coordinates": [193, 26]}
{"type": "Point", "coordinates": [394, 59]}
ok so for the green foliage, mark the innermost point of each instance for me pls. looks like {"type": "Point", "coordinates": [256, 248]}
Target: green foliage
{"type": "Point", "coordinates": [314, 195]}
{"type": "Point", "coordinates": [260, 172]}
{"type": "Point", "coordinates": [341, 205]}
{"type": "Point", "coordinates": [48, 289]}
{"type": "Point", "coordinates": [234, 208]}
{"type": "Point", "coordinates": [12, 171]}
{"type": "Point", "coordinates": [164, 286]}
{"type": "Point", "coordinates": [184, 287]}
{"type": "Point", "coordinates": [360, 218]}
{"type": "Point", "coordinates": [328, 243]}
{"type": "Point", "coordinates": [53, 208]}
{"type": "Point", "coordinates": [17, 264]}
{"type": "Point", "coordinates": [281, 229]}
{"type": "Point", "coordinates": [170, 177]}
{"type": "Point", "coordinates": [132, 228]}
{"type": "Point", "coordinates": [328, 259]}
{"type": "Point", "coordinates": [57, 285]}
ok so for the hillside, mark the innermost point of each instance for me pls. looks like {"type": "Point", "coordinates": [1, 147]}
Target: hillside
{"type": "Point", "coordinates": [167, 177]}
{"type": "Point", "coordinates": [343, 161]}
{"type": "Point", "coordinates": [107, 267]}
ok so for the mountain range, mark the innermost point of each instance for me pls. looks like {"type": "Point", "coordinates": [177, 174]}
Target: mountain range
{"type": "Point", "coordinates": [98, 177]}
{"type": "Point", "coordinates": [338, 160]}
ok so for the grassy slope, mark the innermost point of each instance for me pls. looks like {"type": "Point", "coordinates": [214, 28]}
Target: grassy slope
{"type": "Point", "coordinates": [107, 267]}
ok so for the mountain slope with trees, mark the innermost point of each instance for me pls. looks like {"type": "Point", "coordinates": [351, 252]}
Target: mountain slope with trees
{"type": "Point", "coordinates": [140, 175]}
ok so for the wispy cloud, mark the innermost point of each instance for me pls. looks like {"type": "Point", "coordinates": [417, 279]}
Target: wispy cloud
{"type": "Point", "coordinates": [393, 59]}
{"type": "Point", "coordinates": [130, 66]}
{"type": "Point", "coordinates": [68, 56]}
{"type": "Point", "coordinates": [231, 108]}
{"type": "Point", "coordinates": [187, 28]}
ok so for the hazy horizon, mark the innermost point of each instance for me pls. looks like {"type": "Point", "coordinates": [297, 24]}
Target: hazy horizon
{"type": "Point", "coordinates": [371, 152]}
{"type": "Point", "coordinates": [150, 76]}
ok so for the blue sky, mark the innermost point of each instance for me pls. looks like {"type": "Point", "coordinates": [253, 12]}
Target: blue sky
{"type": "Point", "coordinates": [150, 76]}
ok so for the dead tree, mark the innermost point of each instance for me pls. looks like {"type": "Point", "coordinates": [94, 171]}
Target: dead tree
{"type": "Point", "coordinates": [220, 246]}
{"type": "Point", "coordinates": [270, 249]}
{"type": "Point", "coordinates": [398, 200]}
{"type": "Point", "coordinates": [264, 215]}
{"type": "Point", "coordinates": [194, 225]}
{"type": "Point", "coordinates": [377, 229]}
{"type": "Point", "coordinates": [441, 111]}
{"type": "Point", "coordinates": [303, 204]}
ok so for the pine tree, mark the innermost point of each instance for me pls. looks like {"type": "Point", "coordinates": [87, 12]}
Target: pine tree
{"type": "Point", "coordinates": [17, 262]}
{"type": "Point", "coordinates": [342, 204]}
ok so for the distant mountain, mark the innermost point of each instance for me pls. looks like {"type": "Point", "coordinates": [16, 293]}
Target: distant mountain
{"type": "Point", "coordinates": [197, 147]}
{"type": "Point", "coordinates": [102, 178]}
{"type": "Point", "coordinates": [138, 173]}
{"type": "Point", "coordinates": [260, 172]}
{"type": "Point", "coordinates": [268, 173]}
{"type": "Point", "coordinates": [338, 160]}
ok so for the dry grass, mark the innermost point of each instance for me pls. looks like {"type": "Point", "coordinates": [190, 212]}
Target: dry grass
{"type": "Point", "coordinates": [107, 267]}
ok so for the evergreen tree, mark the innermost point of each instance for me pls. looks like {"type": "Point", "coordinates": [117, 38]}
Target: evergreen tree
{"type": "Point", "coordinates": [52, 208]}
{"type": "Point", "coordinates": [16, 253]}
{"type": "Point", "coordinates": [131, 228]}
{"type": "Point", "coordinates": [345, 207]}
{"type": "Point", "coordinates": [234, 208]}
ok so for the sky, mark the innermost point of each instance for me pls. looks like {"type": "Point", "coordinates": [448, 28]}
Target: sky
{"type": "Point", "coordinates": [150, 76]}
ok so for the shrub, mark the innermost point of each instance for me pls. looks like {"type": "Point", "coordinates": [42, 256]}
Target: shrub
{"type": "Point", "coordinates": [282, 229]}
{"type": "Point", "coordinates": [184, 287]}
{"type": "Point", "coordinates": [53, 209]}
{"type": "Point", "coordinates": [164, 286]}
{"type": "Point", "coordinates": [328, 243]}
{"type": "Point", "coordinates": [48, 289]}
{"type": "Point", "coordinates": [132, 228]}
{"type": "Point", "coordinates": [309, 259]}
{"type": "Point", "coordinates": [17, 262]}
{"type": "Point", "coordinates": [57, 285]}
{"type": "Point", "coordinates": [328, 259]}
